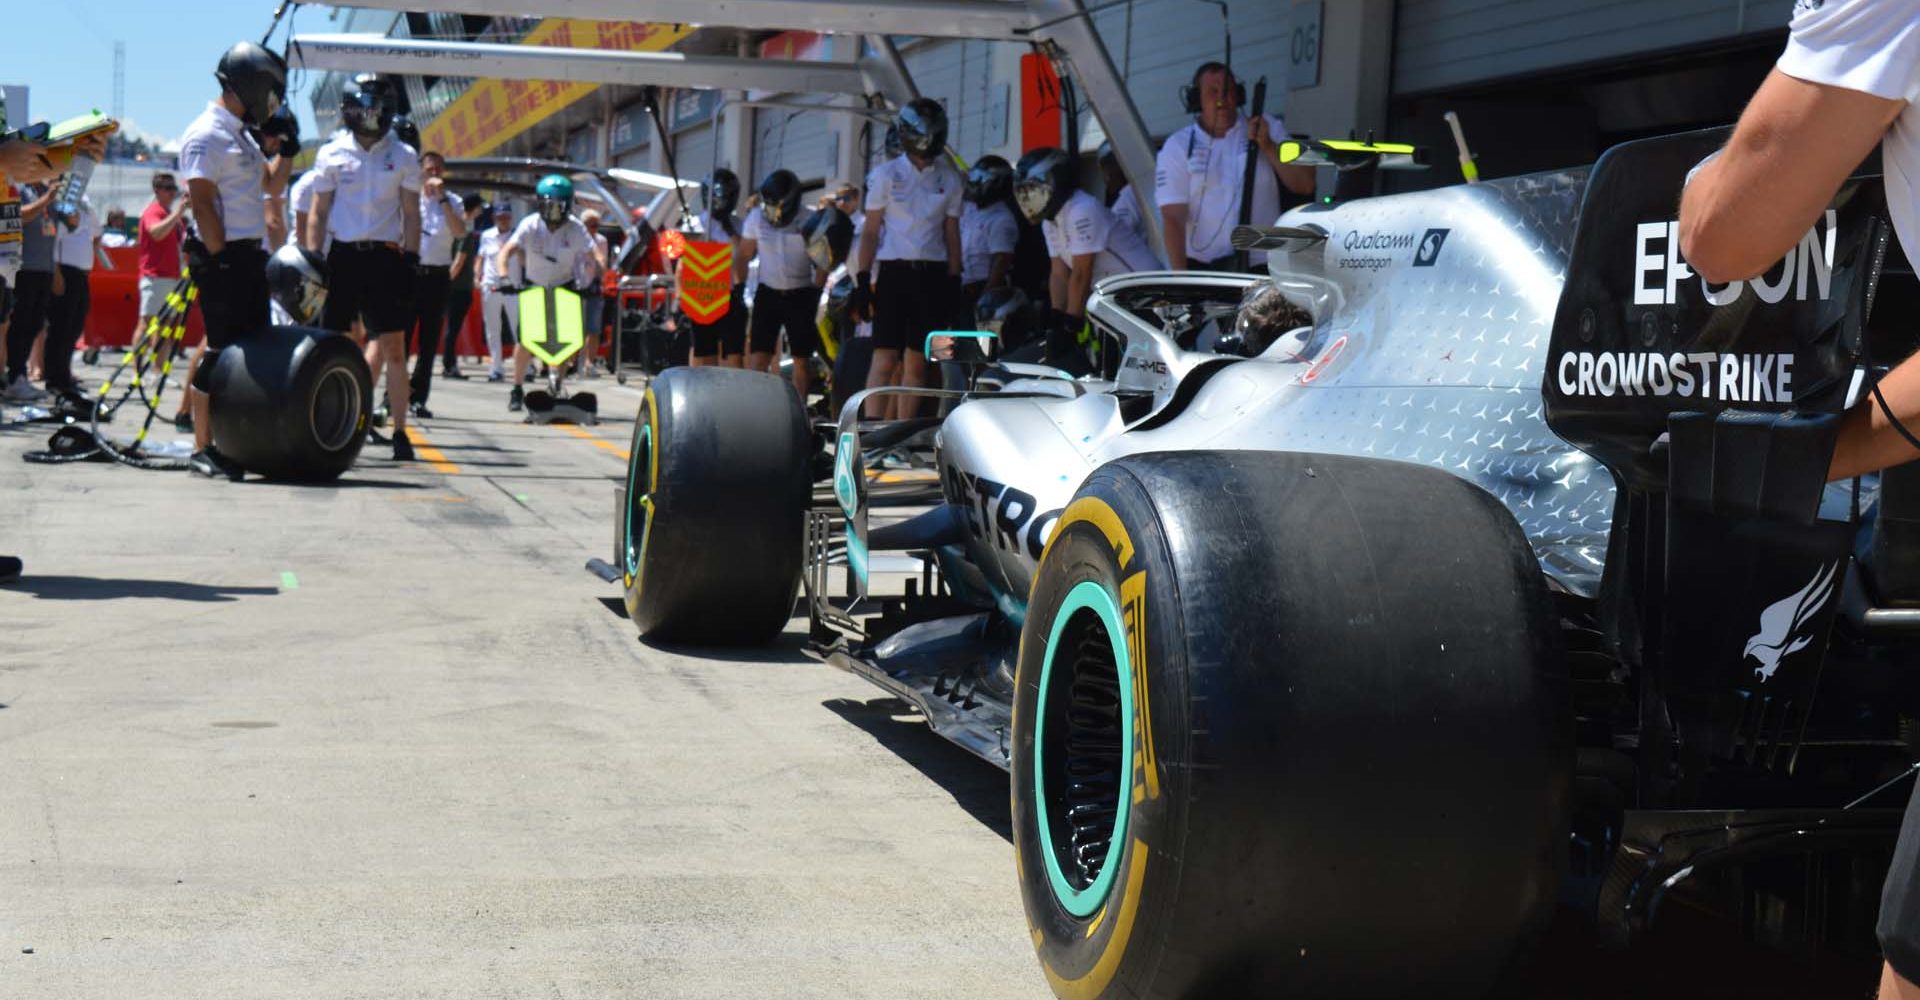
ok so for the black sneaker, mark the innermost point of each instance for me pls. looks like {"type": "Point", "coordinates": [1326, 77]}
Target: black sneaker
{"type": "Point", "coordinates": [213, 465]}
{"type": "Point", "coordinates": [453, 373]}
{"type": "Point", "coordinates": [375, 437]}
{"type": "Point", "coordinates": [10, 567]}
{"type": "Point", "coordinates": [516, 402]}
{"type": "Point", "coordinates": [402, 448]}
{"type": "Point", "coordinates": [420, 410]}
{"type": "Point", "coordinates": [183, 423]}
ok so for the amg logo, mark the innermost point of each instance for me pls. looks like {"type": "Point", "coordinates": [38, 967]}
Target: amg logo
{"type": "Point", "coordinates": [1810, 258]}
{"type": "Point", "coordinates": [1377, 241]}
{"type": "Point", "coordinates": [1147, 364]}
{"type": "Point", "coordinates": [1731, 378]}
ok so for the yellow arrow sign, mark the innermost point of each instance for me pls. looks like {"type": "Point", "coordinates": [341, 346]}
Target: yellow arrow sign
{"type": "Point", "coordinates": [551, 326]}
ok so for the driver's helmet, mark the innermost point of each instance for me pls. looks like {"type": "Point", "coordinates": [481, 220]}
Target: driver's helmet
{"type": "Point", "coordinates": [297, 280]}
{"type": "Point", "coordinates": [1042, 182]}
{"type": "Point", "coordinates": [1266, 314]}
{"type": "Point", "coordinates": [829, 236]}
{"type": "Point", "coordinates": [1006, 312]}
{"type": "Point", "coordinates": [553, 199]}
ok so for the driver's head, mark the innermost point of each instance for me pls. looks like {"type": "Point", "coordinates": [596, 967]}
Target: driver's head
{"type": "Point", "coordinates": [1266, 314]}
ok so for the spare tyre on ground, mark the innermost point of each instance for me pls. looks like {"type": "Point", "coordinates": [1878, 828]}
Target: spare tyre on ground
{"type": "Point", "coordinates": [713, 525]}
{"type": "Point", "coordinates": [291, 403]}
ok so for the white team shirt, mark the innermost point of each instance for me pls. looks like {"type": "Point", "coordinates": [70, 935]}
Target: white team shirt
{"type": "Point", "coordinates": [917, 203]}
{"type": "Point", "coordinates": [1083, 226]}
{"type": "Point", "coordinates": [553, 257]}
{"type": "Point", "coordinates": [782, 252]}
{"type": "Point", "coordinates": [1206, 174]}
{"type": "Point", "coordinates": [436, 237]}
{"type": "Point", "coordinates": [983, 233]}
{"type": "Point", "coordinates": [1870, 46]}
{"type": "Point", "coordinates": [367, 186]}
{"type": "Point", "coordinates": [489, 250]}
{"type": "Point", "coordinates": [217, 148]}
{"type": "Point", "coordinates": [74, 247]}
{"type": "Point", "coordinates": [1126, 213]}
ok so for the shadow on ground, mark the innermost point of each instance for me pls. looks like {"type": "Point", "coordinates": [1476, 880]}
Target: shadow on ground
{"type": "Point", "coordinates": [353, 484]}
{"type": "Point", "coordinates": [978, 787]}
{"type": "Point", "coordinates": [88, 588]}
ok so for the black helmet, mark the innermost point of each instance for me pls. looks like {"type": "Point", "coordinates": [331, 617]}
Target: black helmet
{"type": "Point", "coordinates": [257, 77]}
{"type": "Point", "coordinates": [891, 144]}
{"type": "Point", "coordinates": [780, 197]}
{"type": "Point", "coordinates": [297, 279]}
{"type": "Point", "coordinates": [1105, 155]}
{"type": "Point", "coordinates": [366, 107]}
{"type": "Point", "coordinates": [990, 181]}
{"type": "Point", "coordinates": [829, 236]}
{"type": "Point", "coordinates": [923, 127]}
{"type": "Point", "coordinates": [723, 192]}
{"type": "Point", "coordinates": [1041, 183]}
{"type": "Point", "coordinates": [406, 131]}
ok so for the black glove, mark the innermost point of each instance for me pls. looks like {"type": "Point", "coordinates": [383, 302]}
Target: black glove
{"type": "Point", "coordinates": [860, 303]}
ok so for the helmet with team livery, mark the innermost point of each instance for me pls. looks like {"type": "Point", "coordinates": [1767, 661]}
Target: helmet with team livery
{"type": "Point", "coordinates": [554, 199]}
{"type": "Point", "coordinates": [297, 280]}
{"type": "Point", "coordinates": [990, 181]}
{"type": "Point", "coordinates": [1042, 182]}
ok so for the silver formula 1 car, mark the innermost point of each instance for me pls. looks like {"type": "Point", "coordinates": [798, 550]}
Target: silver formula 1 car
{"type": "Point", "coordinates": [1487, 572]}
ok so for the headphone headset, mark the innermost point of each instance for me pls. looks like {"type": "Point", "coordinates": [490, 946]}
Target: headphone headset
{"type": "Point", "coordinates": [1190, 94]}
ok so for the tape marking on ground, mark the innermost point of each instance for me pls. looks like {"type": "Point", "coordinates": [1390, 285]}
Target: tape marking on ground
{"type": "Point", "coordinates": [595, 441]}
{"type": "Point", "coordinates": [434, 456]}
{"type": "Point", "coordinates": [288, 581]}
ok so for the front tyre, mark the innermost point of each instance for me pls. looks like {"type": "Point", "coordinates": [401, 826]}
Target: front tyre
{"type": "Point", "coordinates": [1286, 725]}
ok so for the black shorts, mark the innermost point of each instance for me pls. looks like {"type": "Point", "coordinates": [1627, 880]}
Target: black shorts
{"type": "Point", "coordinates": [788, 309]}
{"type": "Point", "coordinates": [1899, 927]}
{"type": "Point", "coordinates": [231, 290]}
{"type": "Point", "coordinates": [372, 284]}
{"type": "Point", "coordinates": [726, 335]}
{"type": "Point", "coordinates": [6, 301]}
{"type": "Point", "coordinates": [911, 300]}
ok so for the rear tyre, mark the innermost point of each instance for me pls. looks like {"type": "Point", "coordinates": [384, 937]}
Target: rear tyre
{"type": "Point", "coordinates": [715, 517]}
{"type": "Point", "coordinates": [1286, 725]}
{"type": "Point", "coordinates": [291, 403]}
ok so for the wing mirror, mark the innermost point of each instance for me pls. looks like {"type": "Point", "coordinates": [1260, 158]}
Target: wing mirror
{"type": "Point", "coordinates": [973, 347]}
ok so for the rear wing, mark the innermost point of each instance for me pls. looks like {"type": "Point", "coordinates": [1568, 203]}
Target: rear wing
{"type": "Point", "coordinates": [1716, 408]}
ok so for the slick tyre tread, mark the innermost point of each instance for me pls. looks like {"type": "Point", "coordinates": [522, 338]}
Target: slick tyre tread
{"type": "Point", "coordinates": [1347, 764]}
{"type": "Point", "coordinates": [715, 517]}
{"type": "Point", "coordinates": [291, 403]}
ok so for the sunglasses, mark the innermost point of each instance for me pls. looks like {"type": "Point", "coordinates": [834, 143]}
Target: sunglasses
{"type": "Point", "coordinates": [166, 187]}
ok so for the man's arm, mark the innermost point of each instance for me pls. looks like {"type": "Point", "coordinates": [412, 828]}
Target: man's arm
{"type": "Point", "coordinates": [998, 268]}
{"type": "Point", "coordinates": [952, 229]}
{"type": "Point", "coordinates": [1079, 285]}
{"type": "Point", "coordinates": [869, 242]}
{"type": "Point", "coordinates": [409, 221]}
{"type": "Point", "coordinates": [1794, 145]}
{"type": "Point", "coordinates": [1174, 223]}
{"type": "Point", "coordinates": [1058, 279]}
{"type": "Point", "coordinates": [33, 209]}
{"type": "Point", "coordinates": [1293, 176]}
{"type": "Point", "coordinates": [203, 193]}
{"type": "Point", "coordinates": [164, 228]}
{"type": "Point", "coordinates": [459, 260]}
{"type": "Point", "coordinates": [274, 182]}
{"type": "Point", "coordinates": [317, 220]}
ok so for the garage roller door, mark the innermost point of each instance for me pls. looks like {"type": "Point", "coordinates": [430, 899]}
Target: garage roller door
{"type": "Point", "coordinates": [693, 152]}
{"type": "Point", "coordinates": [1440, 44]}
{"type": "Point", "coordinates": [805, 142]}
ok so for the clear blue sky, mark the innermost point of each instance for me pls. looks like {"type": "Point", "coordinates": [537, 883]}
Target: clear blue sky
{"type": "Point", "coordinates": [63, 49]}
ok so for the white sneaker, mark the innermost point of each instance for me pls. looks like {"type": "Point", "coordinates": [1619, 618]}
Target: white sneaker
{"type": "Point", "coordinates": [23, 391]}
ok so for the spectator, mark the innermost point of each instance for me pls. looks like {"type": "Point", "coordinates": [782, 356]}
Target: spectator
{"type": "Point", "coordinates": [592, 301]}
{"type": "Point", "coordinates": [157, 244]}
{"type": "Point", "coordinates": [114, 236]}
{"type": "Point", "coordinates": [73, 250]}
{"type": "Point", "coordinates": [34, 293]}
{"type": "Point", "coordinates": [460, 285]}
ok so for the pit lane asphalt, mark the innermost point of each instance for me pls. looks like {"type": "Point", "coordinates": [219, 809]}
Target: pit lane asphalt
{"type": "Point", "coordinates": [387, 738]}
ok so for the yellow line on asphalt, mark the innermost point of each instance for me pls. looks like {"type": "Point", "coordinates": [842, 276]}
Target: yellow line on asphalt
{"type": "Point", "coordinates": [434, 456]}
{"type": "Point", "coordinates": [596, 442]}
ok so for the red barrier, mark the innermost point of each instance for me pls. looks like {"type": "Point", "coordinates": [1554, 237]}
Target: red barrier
{"type": "Point", "coordinates": [115, 304]}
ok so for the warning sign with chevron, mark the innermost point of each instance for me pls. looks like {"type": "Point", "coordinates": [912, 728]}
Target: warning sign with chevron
{"type": "Point", "coordinates": [706, 280]}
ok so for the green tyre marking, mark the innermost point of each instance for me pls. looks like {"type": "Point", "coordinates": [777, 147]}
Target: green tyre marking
{"type": "Point", "coordinates": [643, 456]}
{"type": "Point", "coordinates": [1087, 594]}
